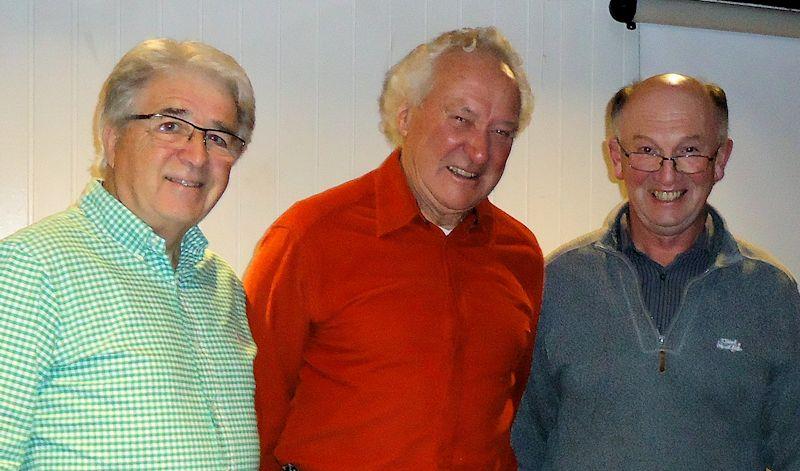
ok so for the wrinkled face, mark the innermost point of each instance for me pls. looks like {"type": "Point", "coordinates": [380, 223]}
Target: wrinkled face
{"type": "Point", "coordinates": [171, 187]}
{"type": "Point", "coordinates": [671, 119]}
{"type": "Point", "coordinates": [457, 140]}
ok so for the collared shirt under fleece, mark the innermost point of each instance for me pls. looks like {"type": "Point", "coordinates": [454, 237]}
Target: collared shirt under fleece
{"type": "Point", "coordinates": [111, 359]}
{"type": "Point", "coordinates": [384, 344]}
{"type": "Point", "coordinates": [719, 389]}
{"type": "Point", "coordinates": [662, 286]}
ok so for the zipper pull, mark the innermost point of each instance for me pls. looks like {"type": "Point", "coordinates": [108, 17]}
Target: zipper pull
{"type": "Point", "coordinates": [662, 361]}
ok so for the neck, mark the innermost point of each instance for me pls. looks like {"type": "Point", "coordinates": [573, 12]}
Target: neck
{"type": "Point", "coordinates": [172, 244]}
{"type": "Point", "coordinates": [664, 249]}
{"type": "Point", "coordinates": [446, 221]}
{"type": "Point", "coordinates": [174, 253]}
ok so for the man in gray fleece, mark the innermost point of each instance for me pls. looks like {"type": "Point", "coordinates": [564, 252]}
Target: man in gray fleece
{"type": "Point", "coordinates": [664, 343]}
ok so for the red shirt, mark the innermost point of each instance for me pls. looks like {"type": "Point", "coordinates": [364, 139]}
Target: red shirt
{"type": "Point", "coordinates": [384, 344]}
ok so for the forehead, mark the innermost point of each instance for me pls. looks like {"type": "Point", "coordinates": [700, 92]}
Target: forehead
{"type": "Point", "coordinates": [669, 108]}
{"type": "Point", "coordinates": [199, 96]}
{"type": "Point", "coordinates": [478, 73]}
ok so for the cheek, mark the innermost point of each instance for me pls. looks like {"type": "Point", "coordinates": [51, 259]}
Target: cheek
{"type": "Point", "coordinates": [221, 173]}
{"type": "Point", "coordinates": [701, 185]}
{"type": "Point", "coordinates": [498, 162]}
{"type": "Point", "coordinates": [633, 181]}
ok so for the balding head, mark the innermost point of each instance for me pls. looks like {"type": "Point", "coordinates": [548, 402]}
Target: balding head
{"type": "Point", "coordinates": [671, 84]}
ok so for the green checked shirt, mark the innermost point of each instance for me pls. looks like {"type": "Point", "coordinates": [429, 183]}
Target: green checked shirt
{"type": "Point", "coordinates": [110, 359]}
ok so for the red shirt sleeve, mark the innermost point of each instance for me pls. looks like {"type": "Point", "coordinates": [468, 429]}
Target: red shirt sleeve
{"type": "Point", "coordinates": [279, 322]}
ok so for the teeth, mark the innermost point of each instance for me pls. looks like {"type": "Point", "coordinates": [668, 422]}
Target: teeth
{"type": "Point", "coordinates": [667, 196]}
{"type": "Point", "coordinates": [186, 183]}
{"type": "Point", "coordinates": [461, 172]}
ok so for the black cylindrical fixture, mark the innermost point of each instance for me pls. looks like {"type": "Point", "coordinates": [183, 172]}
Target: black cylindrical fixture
{"type": "Point", "coordinates": [623, 11]}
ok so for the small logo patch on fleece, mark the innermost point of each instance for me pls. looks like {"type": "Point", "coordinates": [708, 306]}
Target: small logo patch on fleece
{"type": "Point", "coordinates": [731, 345]}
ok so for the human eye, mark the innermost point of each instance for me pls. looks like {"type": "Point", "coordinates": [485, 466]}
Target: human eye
{"type": "Point", "coordinates": [167, 125]}
{"type": "Point", "coordinates": [646, 150]}
{"type": "Point", "coordinates": [689, 151]}
{"type": "Point", "coordinates": [504, 133]}
{"type": "Point", "coordinates": [218, 139]}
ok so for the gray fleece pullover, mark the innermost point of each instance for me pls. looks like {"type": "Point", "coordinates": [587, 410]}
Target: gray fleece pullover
{"type": "Point", "coordinates": [720, 390]}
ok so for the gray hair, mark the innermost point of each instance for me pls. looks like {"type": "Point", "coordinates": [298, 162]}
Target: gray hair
{"type": "Point", "coordinates": [714, 92]}
{"type": "Point", "coordinates": [408, 81]}
{"type": "Point", "coordinates": [152, 57]}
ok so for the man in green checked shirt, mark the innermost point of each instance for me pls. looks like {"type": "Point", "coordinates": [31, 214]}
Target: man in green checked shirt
{"type": "Point", "coordinates": [123, 341]}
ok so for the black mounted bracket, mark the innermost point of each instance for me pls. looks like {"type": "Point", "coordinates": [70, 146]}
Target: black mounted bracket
{"type": "Point", "coordinates": [623, 11]}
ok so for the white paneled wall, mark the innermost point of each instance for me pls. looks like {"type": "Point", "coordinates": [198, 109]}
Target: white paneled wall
{"type": "Point", "coordinates": [317, 69]}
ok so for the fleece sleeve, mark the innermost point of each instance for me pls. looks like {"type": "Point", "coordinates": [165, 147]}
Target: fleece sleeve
{"type": "Point", "coordinates": [538, 409]}
{"type": "Point", "coordinates": [782, 405]}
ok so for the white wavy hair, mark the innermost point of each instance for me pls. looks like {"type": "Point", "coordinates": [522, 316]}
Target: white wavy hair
{"type": "Point", "coordinates": [408, 81]}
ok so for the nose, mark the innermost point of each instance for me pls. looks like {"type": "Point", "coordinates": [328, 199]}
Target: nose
{"type": "Point", "coordinates": [478, 146]}
{"type": "Point", "coordinates": [667, 173]}
{"type": "Point", "coordinates": [195, 151]}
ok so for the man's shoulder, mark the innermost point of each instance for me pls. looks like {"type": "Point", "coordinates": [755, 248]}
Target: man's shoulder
{"type": "Point", "coordinates": [508, 227]}
{"type": "Point", "coordinates": [578, 248]}
{"type": "Point", "coordinates": [62, 229]}
{"type": "Point", "coordinates": [329, 205]}
{"type": "Point", "coordinates": [760, 261]}
{"type": "Point", "coordinates": [212, 262]}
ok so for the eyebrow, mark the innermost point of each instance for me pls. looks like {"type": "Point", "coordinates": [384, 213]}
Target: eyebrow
{"type": "Point", "coordinates": [696, 137]}
{"type": "Point", "coordinates": [182, 113]}
{"type": "Point", "coordinates": [459, 109]}
{"type": "Point", "coordinates": [467, 110]}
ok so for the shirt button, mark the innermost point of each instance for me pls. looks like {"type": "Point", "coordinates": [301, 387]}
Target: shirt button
{"type": "Point", "coordinates": [663, 276]}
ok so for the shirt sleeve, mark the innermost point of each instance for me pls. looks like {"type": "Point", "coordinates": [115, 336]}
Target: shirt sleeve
{"type": "Point", "coordinates": [522, 372]}
{"type": "Point", "coordinates": [28, 338]}
{"type": "Point", "coordinates": [782, 406]}
{"type": "Point", "coordinates": [538, 409]}
{"type": "Point", "coordinates": [279, 322]}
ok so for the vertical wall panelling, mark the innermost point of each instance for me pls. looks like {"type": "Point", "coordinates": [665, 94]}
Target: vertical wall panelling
{"type": "Point", "coordinates": [181, 18]}
{"type": "Point", "coordinates": [15, 95]}
{"type": "Point", "coordinates": [441, 16]}
{"type": "Point", "coordinates": [139, 20]}
{"type": "Point", "coordinates": [256, 172]}
{"type": "Point", "coordinates": [479, 12]}
{"type": "Point", "coordinates": [335, 128]}
{"type": "Point", "coordinates": [372, 59]}
{"type": "Point", "coordinates": [630, 55]}
{"type": "Point", "coordinates": [408, 27]}
{"type": "Point", "coordinates": [576, 120]}
{"type": "Point", "coordinates": [298, 110]}
{"type": "Point", "coordinates": [545, 143]}
{"type": "Point", "coordinates": [53, 111]}
{"type": "Point", "coordinates": [535, 159]}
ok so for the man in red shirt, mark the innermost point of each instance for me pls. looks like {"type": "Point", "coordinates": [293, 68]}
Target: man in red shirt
{"type": "Point", "coordinates": [395, 314]}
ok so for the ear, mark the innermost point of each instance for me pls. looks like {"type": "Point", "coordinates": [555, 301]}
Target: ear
{"type": "Point", "coordinates": [109, 144]}
{"type": "Point", "coordinates": [722, 159]}
{"type": "Point", "coordinates": [615, 153]}
{"type": "Point", "coordinates": [403, 119]}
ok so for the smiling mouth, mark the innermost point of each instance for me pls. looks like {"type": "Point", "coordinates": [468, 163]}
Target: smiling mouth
{"type": "Point", "coordinates": [460, 172]}
{"type": "Point", "coordinates": [668, 196]}
{"type": "Point", "coordinates": [186, 183]}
